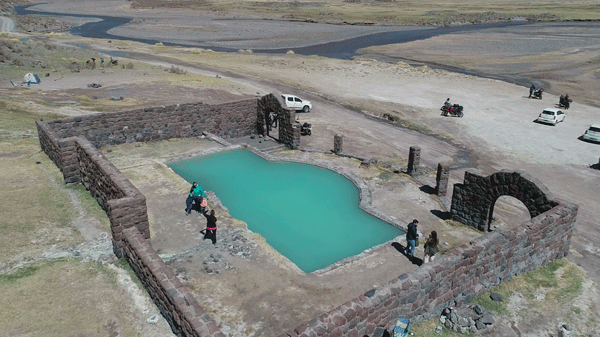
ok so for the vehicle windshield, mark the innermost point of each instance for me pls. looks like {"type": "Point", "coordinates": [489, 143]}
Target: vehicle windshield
{"type": "Point", "coordinates": [594, 129]}
{"type": "Point", "coordinates": [548, 112]}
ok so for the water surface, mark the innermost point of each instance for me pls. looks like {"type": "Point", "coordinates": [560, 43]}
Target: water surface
{"type": "Point", "coordinates": [307, 213]}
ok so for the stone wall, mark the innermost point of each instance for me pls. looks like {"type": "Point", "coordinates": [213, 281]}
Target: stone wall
{"type": "Point", "coordinates": [235, 119]}
{"type": "Point", "coordinates": [289, 129]}
{"type": "Point", "coordinates": [177, 305]}
{"type": "Point", "coordinates": [452, 279]}
{"type": "Point", "coordinates": [473, 201]}
{"type": "Point", "coordinates": [123, 203]}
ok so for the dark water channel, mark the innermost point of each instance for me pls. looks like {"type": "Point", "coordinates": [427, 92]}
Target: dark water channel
{"type": "Point", "coordinates": [345, 49]}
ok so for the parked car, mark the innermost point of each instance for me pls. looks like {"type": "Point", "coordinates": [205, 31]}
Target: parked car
{"type": "Point", "coordinates": [593, 133]}
{"type": "Point", "coordinates": [296, 103]}
{"type": "Point", "coordinates": [551, 116]}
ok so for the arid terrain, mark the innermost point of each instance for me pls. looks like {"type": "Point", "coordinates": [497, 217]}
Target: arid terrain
{"type": "Point", "coordinates": [380, 103]}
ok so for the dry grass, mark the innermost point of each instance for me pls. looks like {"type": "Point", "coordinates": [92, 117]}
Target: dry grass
{"type": "Point", "coordinates": [63, 298]}
{"type": "Point", "coordinates": [48, 297]}
{"type": "Point", "coordinates": [35, 215]}
{"type": "Point", "coordinates": [391, 12]}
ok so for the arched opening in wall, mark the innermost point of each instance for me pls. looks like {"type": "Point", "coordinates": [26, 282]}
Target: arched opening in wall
{"type": "Point", "coordinates": [272, 124]}
{"type": "Point", "coordinates": [506, 212]}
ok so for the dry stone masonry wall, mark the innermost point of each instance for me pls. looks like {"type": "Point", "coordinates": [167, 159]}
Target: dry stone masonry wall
{"type": "Point", "coordinates": [235, 119]}
{"type": "Point", "coordinates": [176, 303]}
{"type": "Point", "coordinates": [456, 277]}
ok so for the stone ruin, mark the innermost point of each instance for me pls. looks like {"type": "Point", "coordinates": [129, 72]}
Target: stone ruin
{"type": "Point", "coordinates": [450, 281]}
{"type": "Point", "coordinates": [473, 201]}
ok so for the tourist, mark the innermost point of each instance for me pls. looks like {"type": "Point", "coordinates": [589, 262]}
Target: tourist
{"type": "Point", "coordinates": [411, 238]}
{"type": "Point", "coordinates": [531, 90]}
{"type": "Point", "coordinates": [196, 196]}
{"type": "Point", "coordinates": [430, 247]}
{"type": "Point", "coordinates": [211, 226]}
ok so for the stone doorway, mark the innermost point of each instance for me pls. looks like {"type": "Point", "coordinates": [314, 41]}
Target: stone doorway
{"type": "Point", "coordinates": [271, 113]}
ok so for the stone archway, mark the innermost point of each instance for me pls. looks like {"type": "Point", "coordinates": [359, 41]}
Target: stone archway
{"type": "Point", "coordinates": [289, 130]}
{"type": "Point", "coordinates": [473, 201]}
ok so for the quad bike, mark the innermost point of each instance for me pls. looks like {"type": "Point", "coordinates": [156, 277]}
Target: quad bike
{"type": "Point", "coordinates": [538, 93]}
{"type": "Point", "coordinates": [306, 129]}
{"type": "Point", "coordinates": [564, 102]}
{"type": "Point", "coordinates": [452, 110]}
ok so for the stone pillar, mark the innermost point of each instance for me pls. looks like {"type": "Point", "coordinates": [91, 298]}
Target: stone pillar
{"type": "Point", "coordinates": [338, 141]}
{"type": "Point", "coordinates": [441, 180]}
{"type": "Point", "coordinates": [414, 157]}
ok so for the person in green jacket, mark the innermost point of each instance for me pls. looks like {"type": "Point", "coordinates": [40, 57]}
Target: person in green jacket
{"type": "Point", "coordinates": [196, 195]}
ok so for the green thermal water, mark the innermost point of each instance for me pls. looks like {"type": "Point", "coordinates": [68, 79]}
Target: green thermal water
{"type": "Point", "coordinates": [307, 213]}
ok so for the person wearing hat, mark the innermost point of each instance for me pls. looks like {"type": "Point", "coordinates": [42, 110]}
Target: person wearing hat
{"type": "Point", "coordinates": [411, 238]}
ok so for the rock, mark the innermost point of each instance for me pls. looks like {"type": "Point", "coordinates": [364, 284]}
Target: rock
{"type": "Point", "coordinates": [487, 318]}
{"type": "Point", "coordinates": [478, 309]}
{"type": "Point", "coordinates": [442, 319]}
{"type": "Point", "coordinates": [463, 329]}
{"type": "Point", "coordinates": [496, 297]}
{"type": "Point", "coordinates": [566, 326]}
{"type": "Point", "coordinates": [453, 317]}
{"type": "Point", "coordinates": [562, 332]}
{"type": "Point", "coordinates": [370, 293]}
{"type": "Point", "coordinates": [153, 319]}
{"type": "Point", "coordinates": [439, 329]}
{"type": "Point", "coordinates": [479, 325]}
{"type": "Point", "coordinates": [463, 322]}
{"type": "Point", "coordinates": [448, 324]}
{"type": "Point", "coordinates": [378, 332]}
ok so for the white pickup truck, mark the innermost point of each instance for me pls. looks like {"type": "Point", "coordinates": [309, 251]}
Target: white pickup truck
{"type": "Point", "coordinates": [295, 103]}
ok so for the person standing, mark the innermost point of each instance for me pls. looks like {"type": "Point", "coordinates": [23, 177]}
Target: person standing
{"type": "Point", "coordinates": [531, 90]}
{"type": "Point", "coordinates": [211, 226]}
{"type": "Point", "coordinates": [431, 247]}
{"type": "Point", "coordinates": [411, 238]}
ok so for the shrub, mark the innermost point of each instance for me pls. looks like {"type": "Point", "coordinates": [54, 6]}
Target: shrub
{"type": "Point", "coordinates": [176, 70]}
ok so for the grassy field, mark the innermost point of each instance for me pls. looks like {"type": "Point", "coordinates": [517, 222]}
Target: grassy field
{"type": "Point", "coordinates": [391, 12]}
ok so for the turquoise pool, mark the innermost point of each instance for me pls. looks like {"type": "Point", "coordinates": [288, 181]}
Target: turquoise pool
{"type": "Point", "coordinates": [307, 213]}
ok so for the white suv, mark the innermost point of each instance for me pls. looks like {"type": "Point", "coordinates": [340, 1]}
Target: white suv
{"type": "Point", "coordinates": [295, 103]}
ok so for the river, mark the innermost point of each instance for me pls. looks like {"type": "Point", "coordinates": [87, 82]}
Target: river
{"type": "Point", "coordinates": [343, 49]}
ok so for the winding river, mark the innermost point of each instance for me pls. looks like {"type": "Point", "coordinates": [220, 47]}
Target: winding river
{"type": "Point", "coordinates": [344, 49]}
